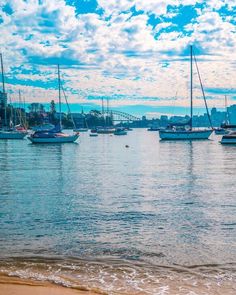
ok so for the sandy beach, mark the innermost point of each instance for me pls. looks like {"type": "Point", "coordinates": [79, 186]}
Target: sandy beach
{"type": "Point", "coordinates": [16, 286]}
{"type": "Point", "coordinates": [19, 286]}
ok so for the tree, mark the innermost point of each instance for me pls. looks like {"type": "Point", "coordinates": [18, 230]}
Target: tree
{"type": "Point", "coordinates": [36, 107]}
{"type": "Point", "coordinates": [52, 107]}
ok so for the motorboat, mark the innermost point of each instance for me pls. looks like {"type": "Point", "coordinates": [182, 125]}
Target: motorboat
{"type": "Point", "coordinates": [80, 129]}
{"type": "Point", "coordinates": [93, 134]}
{"type": "Point", "coordinates": [229, 138]}
{"type": "Point", "coordinates": [153, 128]}
{"type": "Point", "coordinates": [120, 131]}
{"type": "Point", "coordinates": [105, 130]}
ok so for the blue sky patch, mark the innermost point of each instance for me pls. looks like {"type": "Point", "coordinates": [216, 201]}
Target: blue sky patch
{"type": "Point", "coordinates": [84, 6]}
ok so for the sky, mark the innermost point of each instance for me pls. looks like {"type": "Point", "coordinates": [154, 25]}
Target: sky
{"type": "Point", "coordinates": [134, 53]}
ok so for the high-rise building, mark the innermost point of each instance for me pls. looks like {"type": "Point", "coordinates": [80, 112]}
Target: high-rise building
{"type": "Point", "coordinates": [232, 114]}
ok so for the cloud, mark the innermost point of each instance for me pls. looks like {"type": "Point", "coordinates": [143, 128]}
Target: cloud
{"type": "Point", "coordinates": [132, 51]}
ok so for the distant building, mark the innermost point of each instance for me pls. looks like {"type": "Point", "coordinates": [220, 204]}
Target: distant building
{"type": "Point", "coordinates": [57, 115]}
{"type": "Point", "coordinates": [79, 119]}
{"type": "Point", "coordinates": [232, 114]}
{"type": "Point", "coordinates": [144, 118]}
{"type": "Point", "coordinates": [164, 118]}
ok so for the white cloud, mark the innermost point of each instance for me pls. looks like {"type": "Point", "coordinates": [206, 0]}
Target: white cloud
{"type": "Point", "coordinates": [120, 52]}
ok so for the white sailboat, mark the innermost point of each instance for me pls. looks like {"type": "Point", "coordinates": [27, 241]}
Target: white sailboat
{"type": "Point", "coordinates": [106, 129]}
{"type": "Point", "coordinates": [54, 135]}
{"type": "Point", "coordinates": [186, 131]}
{"type": "Point", "coordinates": [7, 132]}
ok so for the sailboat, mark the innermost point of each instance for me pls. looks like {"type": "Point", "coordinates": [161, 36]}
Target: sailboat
{"type": "Point", "coordinates": [84, 127]}
{"type": "Point", "coordinates": [185, 131]}
{"type": "Point", "coordinates": [54, 135]}
{"type": "Point", "coordinates": [229, 136]}
{"type": "Point", "coordinates": [8, 132]}
{"type": "Point", "coordinates": [224, 127]}
{"type": "Point", "coordinates": [106, 129]}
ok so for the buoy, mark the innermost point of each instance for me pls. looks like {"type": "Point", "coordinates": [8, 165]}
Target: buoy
{"type": "Point", "coordinates": [126, 146]}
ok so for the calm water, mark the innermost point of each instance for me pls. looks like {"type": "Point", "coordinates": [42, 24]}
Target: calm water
{"type": "Point", "coordinates": [134, 220]}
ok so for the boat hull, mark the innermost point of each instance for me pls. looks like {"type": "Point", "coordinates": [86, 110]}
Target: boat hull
{"type": "Point", "coordinates": [153, 129]}
{"type": "Point", "coordinates": [184, 135]}
{"type": "Point", "coordinates": [119, 133]}
{"type": "Point", "coordinates": [221, 131]}
{"type": "Point", "coordinates": [106, 131]}
{"type": "Point", "coordinates": [63, 139]}
{"type": "Point", "coordinates": [12, 135]}
{"type": "Point", "coordinates": [227, 139]}
{"type": "Point", "coordinates": [81, 130]}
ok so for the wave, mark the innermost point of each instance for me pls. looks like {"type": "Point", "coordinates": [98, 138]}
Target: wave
{"type": "Point", "coordinates": [116, 276]}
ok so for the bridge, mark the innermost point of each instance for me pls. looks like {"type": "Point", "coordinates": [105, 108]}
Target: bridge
{"type": "Point", "coordinates": [121, 116]}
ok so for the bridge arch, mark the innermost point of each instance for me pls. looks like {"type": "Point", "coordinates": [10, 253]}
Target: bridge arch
{"type": "Point", "coordinates": [121, 116]}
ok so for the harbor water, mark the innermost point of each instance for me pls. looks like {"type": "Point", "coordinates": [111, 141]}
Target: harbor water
{"type": "Point", "coordinates": [120, 214]}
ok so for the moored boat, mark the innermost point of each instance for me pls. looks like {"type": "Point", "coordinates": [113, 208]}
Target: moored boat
{"type": "Point", "coordinates": [7, 131]}
{"type": "Point", "coordinates": [225, 127]}
{"type": "Point", "coordinates": [153, 128]}
{"type": "Point", "coordinates": [93, 134]}
{"type": "Point", "coordinates": [186, 132]}
{"type": "Point", "coordinates": [80, 129]}
{"type": "Point", "coordinates": [54, 135]}
{"type": "Point", "coordinates": [12, 134]}
{"type": "Point", "coordinates": [50, 137]}
{"type": "Point", "coordinates": [105, 130]}
{"type": "Point", "coordinates": [221, 131]}
{"type": "Point", "coordinates": [120, 131]}
{"type": "Point", "coordinates": [229, 138]}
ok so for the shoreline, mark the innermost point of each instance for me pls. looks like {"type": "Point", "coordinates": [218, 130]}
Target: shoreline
{"type": "Point", "coordinates": [13, 285]}
{"type": "Point", "coordinates": [19, 286]}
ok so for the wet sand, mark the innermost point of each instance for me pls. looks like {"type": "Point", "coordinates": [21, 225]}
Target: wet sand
{"type": "Point", "coordinates": [16, 286]}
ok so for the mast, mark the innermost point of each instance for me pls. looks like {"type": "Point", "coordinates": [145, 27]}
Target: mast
{"type": "Point", "coordinates": [25, 123]}
{"type": "Point", "coordinates": [227, 120]}
{"type": "Point", "coordinates": [20, 114]}
{"type": "Point", "coordinates": [191, 87]}
{"type": "Point", "coordinates": [11, 113]}
{"type": "Point", "coordinates": [103, 112]}
{"type": "Point", "coordinates": [4, 92]}
{"type": "Point", "coordinates": [107, 118]}
{"type": "Point", "coordinates": [203, 92]}
{"type": "Point", "coordinates": [59, 93]}
{"type": "Point", "coordinates": [102, 107]}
